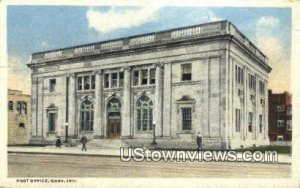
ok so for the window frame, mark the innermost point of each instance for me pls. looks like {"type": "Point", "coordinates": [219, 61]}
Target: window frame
{"type": "Point", "coordinates": [186, 118]}
{"type": "Point", "coordinates": [186, 77]}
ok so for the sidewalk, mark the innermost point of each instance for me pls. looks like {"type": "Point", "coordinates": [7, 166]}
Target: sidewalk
{"type": "Point", "coordinates": [105, 152]}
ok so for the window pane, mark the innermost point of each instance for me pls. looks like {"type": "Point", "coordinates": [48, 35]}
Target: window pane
{"type": "Point", "coordinates": [139, 124]}
{"type": "Point", "coordinates": [152, 76]}
{"type": "Point", "coordinates": [135, 78]}
{"type": "Point", "coordinates": [186, 72]}
{"type": "Point", "coordinates": [121, 80]}
{"type": "Point", "coordinates": [86, 82]}
{"type": "Point", "coordinates": [144, 77]}
{"type": "Point", "coordinates": [93, 82]}
{"type": "Point", "coordinates": [79, 83]}
{"type": "Point", "coordinates": [106, 80]}
{"type": "Point", "coordinates": [186, 118]}
{"type": "Point", "coordinates": [114, 80]}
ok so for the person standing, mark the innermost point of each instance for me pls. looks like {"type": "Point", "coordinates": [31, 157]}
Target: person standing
{"type": "Point", "coordinates": [199, 141]}
{"type": "Point", "coordinates": [58, 142]}
{"type": "Point", "coordinates": [83, 141]}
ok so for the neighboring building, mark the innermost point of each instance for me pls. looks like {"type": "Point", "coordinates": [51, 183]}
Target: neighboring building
{"type": "Point", "coordinates": [206, 78]}
{"type": "Point", "coordinates": [280, 117]}
{"type": "Point", "coordinates": [18, 117]}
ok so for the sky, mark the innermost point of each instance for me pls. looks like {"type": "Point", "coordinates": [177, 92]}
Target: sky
{"type": "Point", "coordinates": [33, 29]}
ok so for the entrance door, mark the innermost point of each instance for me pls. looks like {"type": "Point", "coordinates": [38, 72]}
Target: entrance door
{"type": "Point", "coordinates": [113, 118]}
{"type": "Point", "coordinates": [114, 126]}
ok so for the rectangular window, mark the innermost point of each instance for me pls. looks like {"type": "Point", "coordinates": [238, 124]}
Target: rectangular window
{"type": "Point", "coordinates": [252, 83]}
{"type": "Point", "coordinates": [121, 79]}
{"type": "Point", "coordinates": [152, 76]}
{"type": "Point", "coordinates": [23, 107]}
{"type": "Point", "coordinates": [280, 123]}
{"type": "Point", "coordinates": [106, 80]}
{"type": "Point", "coordinates": [52, 83]}
{"type": "Point", "coordinates": [280, 108]}
{"type": "Point", "coordinates": [10, 105]}
{"type": "Point", "coordinates": [186, 118]}
{"type": "Point", "coordinates": [87, 83]}
{"type": "Point", "coordinates": [250, 118]}
{"type": "Point", "coordinates": [261, 87]}
{"type": "Point", "coordinates": [22, 125]}
{"type": "Point", "coordinates": [144, 77]}
{"type": "Point", "coordinates": [186, 70]}
{"type": "Point", "coordinates": [239, 75]}
{"type": "Point", "coordinates": [93, 82]}
{"type": "Point", "coordinates": [135, 78]}
{"type": "Point", "coordinates": [79, 83]}
{"type": "Point", "coordinates": [260, 123]}
{"type": "Point", "coordinates": [237, 120]}
{"type": "Point", "coordinates": [51, 122]}
{"type": "Point", "coordinates": [289, 110]}
{"type": "Point", "coordinates": [289, 126]}
{"type": "Point", "coordinates": [114, 80]}
{"type": "Point", "coordinates": [19, 106]}
{"type": "Point", "coordinates": [145, 119]}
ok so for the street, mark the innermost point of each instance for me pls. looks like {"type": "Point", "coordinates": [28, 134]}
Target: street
{"type": "Point", "coordinates": [47, 165]}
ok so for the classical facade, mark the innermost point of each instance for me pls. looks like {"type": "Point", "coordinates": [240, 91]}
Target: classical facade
{"type": "Point", "coordinates": [206, 78]}
{"type": "Point", "coordinates": [18, 117]}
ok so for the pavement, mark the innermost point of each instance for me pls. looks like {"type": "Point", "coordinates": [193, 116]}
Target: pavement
{"type": "Point", "coordinates": [105, 152]}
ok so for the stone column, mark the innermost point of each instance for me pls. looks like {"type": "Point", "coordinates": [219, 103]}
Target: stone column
{"type": "Point", "coordinates": [72, 105]}
{"type": "Point", "coordinates": [40, 93]}
{"type": "Point", "coordinates": [158, 100]}
{"type": "Point", "coordinates": [98, 105]}
{"type": "Point", "coordinates": [34, 97]}
{"type": "Point", "coordinates": [126, 131]}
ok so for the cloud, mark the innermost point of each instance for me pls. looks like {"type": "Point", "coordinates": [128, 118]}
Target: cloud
{"type": "Point", "coordinates": [268, 21]}
{"type": "Point", "coordinates": [119, 19]}
{"type": "Point", "coordinates": [45, 44]}
{"type": "Point", "coordinates": [269, 42]}
{"type": "Point", "coordinates": [18, 75]}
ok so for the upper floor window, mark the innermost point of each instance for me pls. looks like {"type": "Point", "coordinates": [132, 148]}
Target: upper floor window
{"type": "Point", "coordinates": [86, 82]}
{"type": "Point", "coordinates": [289, 110]}
{"type": "Point", "coordinates": [289, 126]}
{"type": "Point", "coordinates": [121, 79]}
{"type": "Point", "coordinates": [106, 80]}
{"type": "Point", "coordinates": [52, 84]}
{"type": "Point", "coordinates": [152, 76]}
{"type": "Point", "coordinates": [135, 78]}
{"type": "Point", "coordinates": [144, 77]}
{"type": "Point", "coordinates": [280, 108]}
{"type": "Point", "coordinates": [252, 82]}
{"type": "Point", "coordinates": [239, 75]}
{"type": "Point", "coordinates": [114, 80]}
{"type": "Point", "coordinates": [280, 123]}
{"type": "Point", "coordinates": [186, 72]}
{"type": "Point", "coordinates": [10, 105]}
{"type": "Point", "coordinates": [261, 87]}
{"type": "Point", "coordinates": [22, 107]}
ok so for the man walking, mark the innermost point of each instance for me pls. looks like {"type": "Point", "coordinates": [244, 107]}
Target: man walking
{"type": "Point", "coordinates": [83, 141]}
{"type": "Point", "coordinates": [199, 141]}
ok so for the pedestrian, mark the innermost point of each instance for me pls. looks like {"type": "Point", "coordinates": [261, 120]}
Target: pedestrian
{"type": "Point", "coordinates": [58, 142]}
{"type": "Point", "coordinates": [199, 141]}
{"type": "Point", "coordinates": [83, 141]}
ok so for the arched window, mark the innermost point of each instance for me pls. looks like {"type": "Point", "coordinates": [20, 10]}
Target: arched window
{"type": "Point", "coordinates": [144, 111]}
{"type": "Point", "coordinates": [86, 116]}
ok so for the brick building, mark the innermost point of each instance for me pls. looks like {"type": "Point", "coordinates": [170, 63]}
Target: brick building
{"type": "Point", "coordinates": [206, 78]}
{"type": "Point", "coordinates": [280, 116]}
{"type": "Point", "coordinates": [18, 117]}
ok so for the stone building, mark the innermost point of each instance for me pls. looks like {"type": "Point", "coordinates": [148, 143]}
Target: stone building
{"type": "Point", "coordinates": [18, 117]}
{"type": "Point", "coordinates": [280, 118]}
{"type": "Point", "coordinates": [206, 78]}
